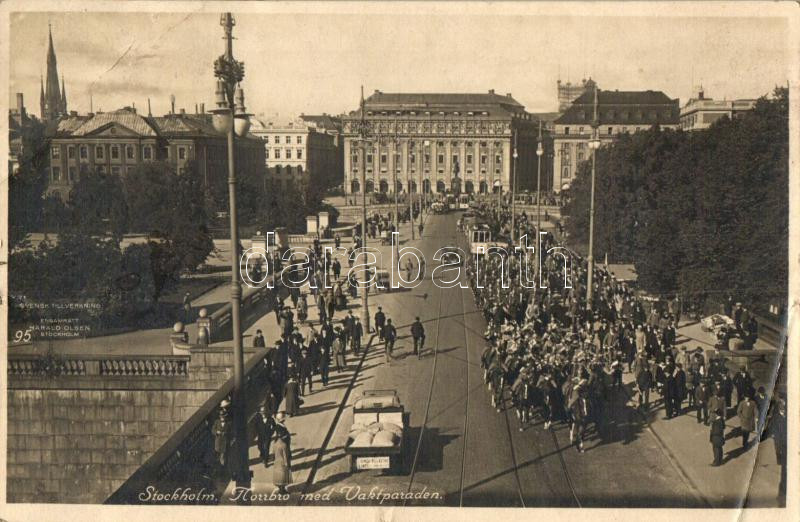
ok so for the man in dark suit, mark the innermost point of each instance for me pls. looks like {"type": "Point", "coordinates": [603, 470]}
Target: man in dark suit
{"type": "Point", "coordinates": [265, 428]}
{"type": "Point", "coordinates": [743, 384]}
{"type": "Point", "coordinates": [418, 333]}
{"type": "Point", "coordinates": [389, 336]}
{"type": "Point", "coordinates": [356, 333]}
{"type": "Point", "coordinates": [380, 322]}
{"type": "Point", "coordinates": [258, 340]}
{"type": "Point", "coordinates": [680, 390]}
{"type": "Point", "coordinates": [717, 437]}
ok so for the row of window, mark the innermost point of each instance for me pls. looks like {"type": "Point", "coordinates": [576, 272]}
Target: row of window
{"type": "Point", "coordinates": [609, 130]}
{"type": "Point", "coordinates": [286, 139]}
{"type": "Point", "coordinates": [73, 173]}
{"type": "Point", "coordinates": [427, 171]}
{"type": "Point", "coordinates": [412, 159]}
{"type": "Point", "coordinates": [441, 144]}
{"type": "Point", "coordinates": [441, 186]}
{"type": "Point", "coordinates": [287, 153]}
{"type": "Point", "coordinates": [114, 152]}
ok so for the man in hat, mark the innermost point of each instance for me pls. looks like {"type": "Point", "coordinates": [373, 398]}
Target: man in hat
{"type": "Point", "coordinates": [418, 334]}
{"type": "Point", "coordinates": [389, 336]}
{"type": "Point", "coordinates": [187, 308]}
{"type": "Point", "coordinates": [717, 436]}
{"type": "Point", "coordinates": [223, 435]}
{"type": "Point", "coordinates": [265, 428]}
{"type": "Point", "coordinates": [380, 322]}
{"type": "Point", "coordinates": [356, 334]}
{"type": "Point", "coordinates": [702, 394]}
{"type": "Point", "coordinates": [743, 383]}
{"type": "Point", "coordinates": [258, 340]}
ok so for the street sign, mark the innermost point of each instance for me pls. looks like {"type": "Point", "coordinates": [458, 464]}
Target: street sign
{"type": "Point", "coordinates": [372, 462]}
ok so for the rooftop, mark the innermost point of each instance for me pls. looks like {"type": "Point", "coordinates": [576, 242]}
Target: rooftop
{"type": "Point", "coordinates": [623, 107]}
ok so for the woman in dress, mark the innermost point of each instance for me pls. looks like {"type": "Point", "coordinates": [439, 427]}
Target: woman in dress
{"type": "Point", "coordinates": [291, 394]}
{"type": "Point", "coordinates": [282, 448]}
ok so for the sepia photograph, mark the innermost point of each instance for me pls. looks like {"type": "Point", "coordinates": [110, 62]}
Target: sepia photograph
{"type": "Point", "coordinates": [399, 256]}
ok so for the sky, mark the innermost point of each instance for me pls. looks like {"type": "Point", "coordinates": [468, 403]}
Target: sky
{"type": "Point", "coordinates": [314, 62]}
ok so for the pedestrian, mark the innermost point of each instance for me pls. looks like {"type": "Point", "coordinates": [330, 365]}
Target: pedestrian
{"type": "Point", "coordinates": [717, 436]}
{"type": "Point", "coordinates": [265, 428]}
{"type": "Point", "coordinates": [644, 381]}
{"type": "Point", "coordinates": [747, 411]}
{"type": "Point", "coordinates": [277, 305]}
{"type": "Point", "coordinates": [337, 269]}
{"type": "Point", "coordinates": [389, 336]}
{"type": "Point", "coordinates": [291, 396]}
{"type": "Point", "coordinates": [302, 309]}
{"type": "Point", "coordinates": [380, 321]}
{"type": "Point", "coordinates": [223, 437]}
{"type": "Point", "coordinates": [282, 447]}
{"type": "Point", "coordinates": [702, 394]}
{"type": "Point", "coordinates": [778, 428]}
{"type": "Point", "coordinates": [680, 390]}
{"type": "Point", "coordinates": [306, 372]}
{"type": "Point", "coordinates": [743, 383]}
{"type": "Point", "coordinates": [356, 333]}
{"type": "Point", "coordinates": [717, 400]}
{"type": "Point", "coordinates": [727, 390]}
{"type": "Point", "coordinates": [338, 350]}
{"type": "Point", "coordinates": [325, 361]}
{"type": "Point", "coordinates": [258, 340]}
{"type": "Point", "coordinates": [187, 308]}
{"type": "Point", "coordinates": [418, 334]}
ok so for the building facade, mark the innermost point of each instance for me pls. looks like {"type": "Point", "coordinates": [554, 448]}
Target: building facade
{"type": "Point", "coordinates": [439, 143]}
{"type": "Point", "coordinates": [300, 151]}
{"type": "Point", "coordinates": [569, 92]}
{"type": "Point", "coordinates": [700, 112]}
{"type": "Point", "coordinates": [618, 112]}
{"type": "Point", "coordinates": [116, 142]}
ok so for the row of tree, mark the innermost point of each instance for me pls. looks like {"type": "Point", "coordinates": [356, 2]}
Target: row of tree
{"type": "Point", "coordinates": [703, 214]}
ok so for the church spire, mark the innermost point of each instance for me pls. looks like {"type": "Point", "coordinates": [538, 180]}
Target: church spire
{"type": "Point", "coordinates": [42, 106]}
{"type": "Point", "coordinates": [63, 97]}
{"type": "Point", "coordinates": [52, 92]}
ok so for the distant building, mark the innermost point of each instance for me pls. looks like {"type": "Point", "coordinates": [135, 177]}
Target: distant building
{"type": "Point", "coordinates": [53, 103]}
{"type": "Point", "coordinates": [304, 150]}
{"type": "Point", "coordinates": [700, 112]}
{"type": "Point", "coordinates": [440, 143]}
{"type": "Point", "coordinates": [18, 119]}
{"type": "Point", "coordinates": [116, 142]}
{"type": "Point", "coordinates": [569, 92]}
{"type": "Point", "coordinates": [618, 112]}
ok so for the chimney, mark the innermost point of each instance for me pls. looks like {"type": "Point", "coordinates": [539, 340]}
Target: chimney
{"type": "Point", "coordinates": [73, 113]}
{"type": "Point", "coordinates": [491, 91]}
{"type": "Point", "coordinates": [149, 113]}
{"type": "Point", "coordinates": [172, 103]}
{"type": "Point", "coordinates": [508, 95]}
{"type": "Point", "coordinates": [20, 104]}
{"type": "Point", "coordinates": [183, 111]}
{"type": "Point", "coordinates": [195, 108]}
{"type": "Point", "coordinates": [202, 108]}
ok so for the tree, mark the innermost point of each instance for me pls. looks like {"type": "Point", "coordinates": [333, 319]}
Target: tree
{"type": "Point", "coordinates": [170, 209]}
{"type": "Point", "coordinates": [701, 213]}
{"type": "Point", "coordinates": [26, 188]}
{"type": "Point", "coordinates": [98, 205]}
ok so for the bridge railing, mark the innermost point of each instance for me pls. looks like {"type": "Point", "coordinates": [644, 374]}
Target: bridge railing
{"type": "Point", "coordinates": [187, 459]}
{"type": "Point", "coordinates": [34, 365]}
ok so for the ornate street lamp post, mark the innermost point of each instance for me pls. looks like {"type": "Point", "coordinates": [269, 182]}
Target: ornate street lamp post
{"type": "Point", "coordinates": [539, 153]}
{"type": "Point", "coordinates": [514, 192]}
{"type": "Point", "coordinates": [395, 156]}
{"type": "Point", "coordinates": [363, 132]}
{"type": "Point", "coordinates": [594, 144]}
{"type": "Point", "coordinates": [230, 118]}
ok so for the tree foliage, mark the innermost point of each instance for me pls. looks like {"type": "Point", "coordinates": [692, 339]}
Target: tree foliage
{"type": "Point", "coordinates": [26, 188]}
{"type": "Point", "coordinates": [702, 213]}
{"type": "Point", "coordinates": [97, 205]}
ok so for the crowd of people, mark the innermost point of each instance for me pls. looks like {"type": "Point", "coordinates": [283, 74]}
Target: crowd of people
{"type": "Point", "coordinates": [556, 357]}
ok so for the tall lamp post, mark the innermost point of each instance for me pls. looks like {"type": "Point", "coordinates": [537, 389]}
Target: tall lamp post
{"type": "Point", "coordinates": [539, 153]}
{"type": "Point", "coordinates": [395, 156]}
{"type": "Point", "coordinates": [514, 192]}
{"type": "Point", "coordinates": [363, 131]}
{"type": "Point", "coordinates": [594, 144]}
{"type": "Point", "coordinates": [410, 194]}
{"type": "Point", "coordinates": [230, 118]}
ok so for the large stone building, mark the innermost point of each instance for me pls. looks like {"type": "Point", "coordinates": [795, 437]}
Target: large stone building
{"type": "Point", "coordinates": [115, 142]}
{"type": "Point", "coordinates": [700, 112]}
{"type": "Point", "coordinates": [305, 150]}
{"type": "Point", "coordinates": [618, 112]}
{"type": "Point", "coordinates": [440, 143]}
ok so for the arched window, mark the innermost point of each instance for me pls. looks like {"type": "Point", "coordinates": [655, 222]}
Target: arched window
{"type": "Point", "coordinates": [484, 188]}
{"type": "Point", "coordinates": [384, 186]}
{"type": "Point", "coordinates": [399, 187]}
{"type": "Point", "coordinates": [355, 187]}
{"type": "Point", "coordinates": [469, 188]}
{"type": "Point", "coordinates": [441, 188]}
{"type": "Point", "coordinates": [370, 186]}
{"type": "Point", "coordinates": [414, 187]}
{"type": "Point", "coordinates": [426, 186]}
